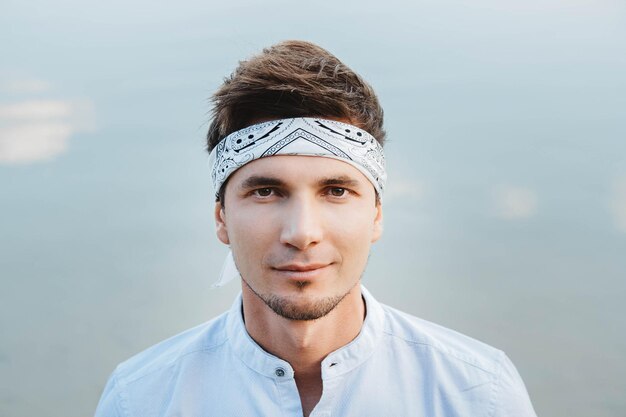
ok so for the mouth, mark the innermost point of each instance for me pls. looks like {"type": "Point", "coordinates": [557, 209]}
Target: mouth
{"type": "Point", "coordinates": [301, 271]}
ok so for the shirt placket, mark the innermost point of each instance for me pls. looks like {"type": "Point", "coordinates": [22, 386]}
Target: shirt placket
{"type": "Point", "coordinates": [324, 407]}
{"type": "Point", "coordinates": [289, 397]}
{"type": "Point", "coordinates": [332, 379]}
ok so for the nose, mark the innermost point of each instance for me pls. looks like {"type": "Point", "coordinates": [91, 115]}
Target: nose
{"type": "Point", "coordinates": [302, 223]}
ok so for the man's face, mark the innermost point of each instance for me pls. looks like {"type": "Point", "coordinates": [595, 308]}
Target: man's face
{"type": "Point", "coordinates": [300, 229]}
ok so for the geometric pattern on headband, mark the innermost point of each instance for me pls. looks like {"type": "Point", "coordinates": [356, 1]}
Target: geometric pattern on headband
{"type": "Point", "coordinates": [308, 136]}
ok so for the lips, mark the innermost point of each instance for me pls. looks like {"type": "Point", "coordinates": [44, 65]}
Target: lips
{"type": "Point", "coordinates": [300, 267]}
{"type": "Point", "coordinates": [301, 271]}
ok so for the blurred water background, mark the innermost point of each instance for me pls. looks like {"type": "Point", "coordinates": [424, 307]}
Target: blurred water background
{"type": "Point", "coordinates": [505, 217]}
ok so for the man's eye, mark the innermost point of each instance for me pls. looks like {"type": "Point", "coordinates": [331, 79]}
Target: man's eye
{"type": "Point", "coordinates": [263, 192]}
{"type": "Point", "coordinates": [337, 192]}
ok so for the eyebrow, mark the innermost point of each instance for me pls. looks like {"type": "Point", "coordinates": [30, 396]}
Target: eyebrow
{"type": "Point", "coordinates": [342, 180]}
{"type": "Point", "coordinates": [262, 181]}
{"type": "Point", "coordinates": [259, 181]}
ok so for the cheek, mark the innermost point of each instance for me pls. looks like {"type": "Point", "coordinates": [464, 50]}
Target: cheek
{"type": "Point", "coordinates": [354, 229]}
{"type": "Point", "coordinates": [357, 220]}
{"type": "Point", "coordinates": [250, 232]}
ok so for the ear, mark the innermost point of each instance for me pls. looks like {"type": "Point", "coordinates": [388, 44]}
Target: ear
{"type": "Point", "coordinates": [378, 223]}
{"type": "Point", "coordinates": [220, 224]}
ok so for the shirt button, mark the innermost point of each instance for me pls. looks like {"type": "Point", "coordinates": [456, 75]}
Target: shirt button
{"type": "Point", "coordinates": [280, 372]}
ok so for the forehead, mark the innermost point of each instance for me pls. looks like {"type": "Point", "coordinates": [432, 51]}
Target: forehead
{"type": "Point", "coordinates": [299, 169]}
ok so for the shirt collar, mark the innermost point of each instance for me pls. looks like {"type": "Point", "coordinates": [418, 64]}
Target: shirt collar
{"type": "Point", "coordinates": [336, 363]}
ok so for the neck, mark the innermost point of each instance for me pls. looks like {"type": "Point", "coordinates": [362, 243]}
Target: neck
{"type": "Point", "coordinates": [304, 343]}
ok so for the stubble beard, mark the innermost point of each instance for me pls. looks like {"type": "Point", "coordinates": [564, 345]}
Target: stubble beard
{"type": "Point", "coordinates": [288, 308]}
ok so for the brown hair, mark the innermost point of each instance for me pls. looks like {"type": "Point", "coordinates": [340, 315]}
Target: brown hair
{"type": "Point", "coordinates": [293, 79]}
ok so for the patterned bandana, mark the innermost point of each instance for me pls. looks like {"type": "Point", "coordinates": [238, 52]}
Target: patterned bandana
{"type": "Point", "coordinates": [299, 136]}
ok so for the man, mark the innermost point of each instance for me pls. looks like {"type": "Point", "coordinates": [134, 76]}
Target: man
{"type": "Point", "coordinates": [298, 168]}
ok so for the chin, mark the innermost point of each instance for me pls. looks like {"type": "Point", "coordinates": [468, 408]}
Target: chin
{"type": "Point", "coordinates": [302, 306]}
{"type": "Point", "coordinates": [302, 310]}
{"type": "Point", "coordinates": [302, 300]}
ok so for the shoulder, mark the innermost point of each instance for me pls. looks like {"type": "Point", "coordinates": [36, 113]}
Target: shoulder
{"type": "Point", "coordinates": [460, 360]}
{"type": "Point", "coordinates": [411, 330]}
{"type": "Point", "coordinates": [152, 370]}
{"type": "Point", "coordinates": [203, 338]}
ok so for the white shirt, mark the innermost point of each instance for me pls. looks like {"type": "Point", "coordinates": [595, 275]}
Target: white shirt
{"type": "Point", "coordinates": [398, 365]}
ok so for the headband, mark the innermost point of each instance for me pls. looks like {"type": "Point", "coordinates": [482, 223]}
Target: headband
{"type": "Point", "coordinates": [299, 136]}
